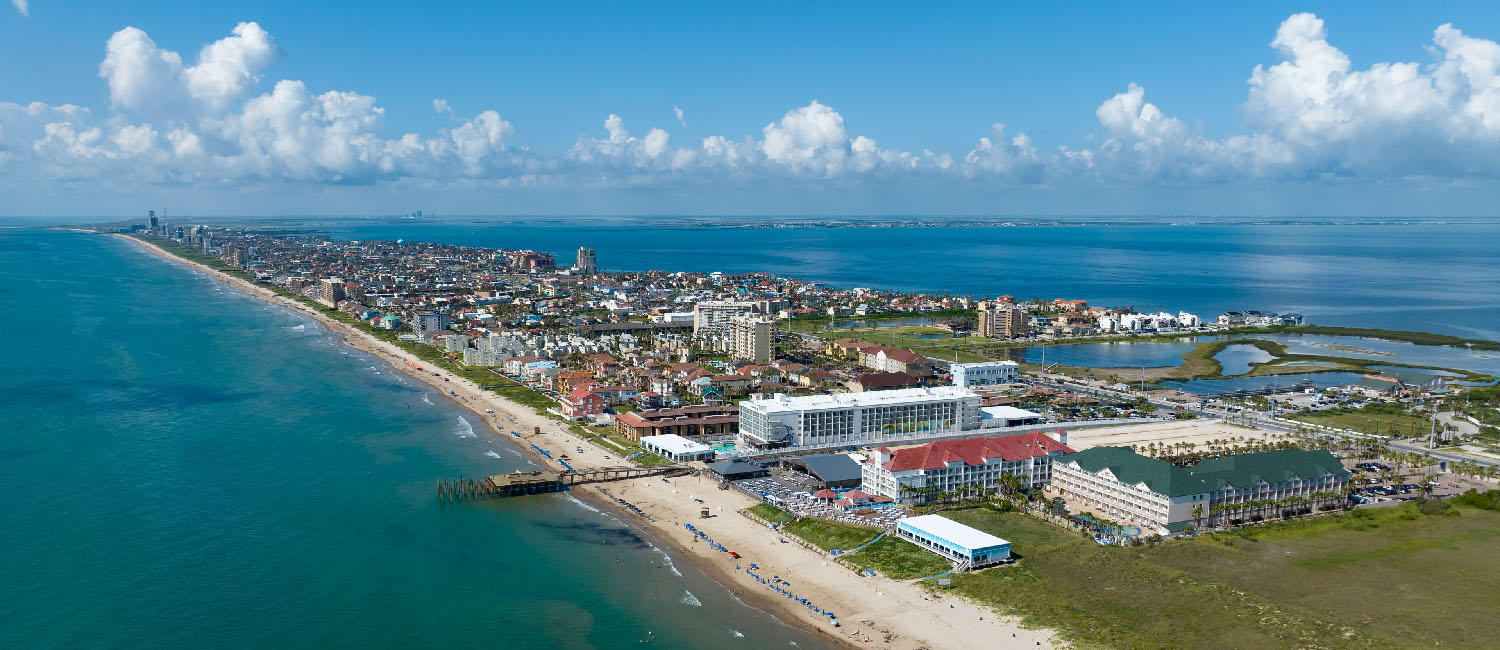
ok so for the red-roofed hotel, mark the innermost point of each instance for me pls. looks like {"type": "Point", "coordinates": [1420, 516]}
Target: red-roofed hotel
{"type": "Point", "coordinates": [912, 474]}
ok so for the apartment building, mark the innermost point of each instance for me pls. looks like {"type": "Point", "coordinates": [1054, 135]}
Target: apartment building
{"type": "Point", "coordinates": [1119, 484]}
{"type": "Point", "coordinates": [985, 373]}
{"type": "Point", "coordinates": [587, 263]}
{"type": "Point", "coordinates": [425, 322]}
{"type": "Point", "coordinates": [750, 339]}
{"type": "Point", "coordinates": [711, 318]}
{"type": "Point", "coordinates": [330, 291]}
{"type": "Point", "coordinates": [1003, 322]}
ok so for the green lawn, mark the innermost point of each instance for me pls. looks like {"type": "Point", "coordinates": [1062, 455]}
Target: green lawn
{"type": "Point", "coordinates": [770, 513]}
{"type": "Point", "coordinates": [1381, 578]}
{"type": "Point", "coordinates": [829, 535]}
{"type": "Point", "coordinates": [897, 558]}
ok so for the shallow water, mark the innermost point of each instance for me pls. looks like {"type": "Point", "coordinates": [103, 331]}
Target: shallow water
{"type": "Point", "coordinates": [184, 467]}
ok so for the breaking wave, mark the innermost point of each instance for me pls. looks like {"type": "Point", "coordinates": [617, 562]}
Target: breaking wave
{"type": "Point", "coordinates": [465, 430]}
{"type": "Point", "coordinates": [689, 599]}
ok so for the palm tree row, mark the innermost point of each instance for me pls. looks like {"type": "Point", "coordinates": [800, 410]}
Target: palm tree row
{"type": "Point", "coordinates": [1185, 453]}
{"type": "Point", "coordinates": [1007, 484]}
{"type": "Point", "coordinates": [1259, 507]}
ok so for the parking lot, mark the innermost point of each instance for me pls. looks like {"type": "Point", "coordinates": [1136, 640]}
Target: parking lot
{"type": "Point", "coordinates": [1370, 488]}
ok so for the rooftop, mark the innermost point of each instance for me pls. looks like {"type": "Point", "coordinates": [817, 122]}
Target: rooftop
{"type": "Point", "coordinates": [784, 403]}
{"type": "Point", "coordinates": [973, 451]}
{"type": "Point", "coordinates": [953, 532]}
{"type": "Point", "coordinates": [676, 444]}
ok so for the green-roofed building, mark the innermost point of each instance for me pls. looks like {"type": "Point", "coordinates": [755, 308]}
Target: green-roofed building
{"type": "Point", "coordinates": [1119, 484]}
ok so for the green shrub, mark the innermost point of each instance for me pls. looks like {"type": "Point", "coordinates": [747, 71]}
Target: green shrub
{"type": "Point", "coordinates": [1487, 500]}
{"type": "Point", "coordinates": [1432, 506]}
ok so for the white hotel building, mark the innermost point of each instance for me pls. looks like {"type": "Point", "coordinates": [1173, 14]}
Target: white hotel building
{"type": "Point", "coordinates": [985, 373]}
{"type": "Point", "coordinates": [857, 418]}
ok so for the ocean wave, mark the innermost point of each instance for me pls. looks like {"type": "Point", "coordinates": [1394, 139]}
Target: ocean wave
{"type": "Point", "coordinates": [424, 396]}
{"type": "Point", "coordinates": [585, 506]}
{"type": "Point", "coordinates": [737, 634]}
{"type": "Point", "coordinates": [465, 429]}
{"type": "Point", "coordinates": [689, 599]}
{"type": "Point", "coordinates": [492, 454]}
{"type": "Point", "coordinates": [665, 558]}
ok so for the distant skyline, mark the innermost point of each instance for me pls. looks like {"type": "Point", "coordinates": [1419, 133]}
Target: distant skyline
{"type": "Point", "coordinates": [1344, 109]}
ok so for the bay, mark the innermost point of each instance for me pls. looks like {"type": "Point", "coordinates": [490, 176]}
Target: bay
{"type": "Point", "coordinates": [1441, 277]}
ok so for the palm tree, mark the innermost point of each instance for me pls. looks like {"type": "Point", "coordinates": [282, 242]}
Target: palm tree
{"type": "Point", "coordinates": [1197, 514]}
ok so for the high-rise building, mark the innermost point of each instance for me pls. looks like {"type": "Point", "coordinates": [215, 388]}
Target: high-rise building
{"type": "Point", "coordinates": [1003, 322]}
{"type": "Point", "coordinates": [429, 322]}
{"type": "Point", "coordinates": [711, 317]}
{"type": "Point", "coordinates": [750, 339]}
{"type": "Point", "coordinates": [587, 261]}
{"type": "Point", "coordinates": [152, 219]}
{"type": "Point", "coordinates": [331, 291]}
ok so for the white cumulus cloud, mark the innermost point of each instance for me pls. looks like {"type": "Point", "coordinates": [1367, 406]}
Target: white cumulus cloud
{"type": "Point", "coordinates": [218, 120]}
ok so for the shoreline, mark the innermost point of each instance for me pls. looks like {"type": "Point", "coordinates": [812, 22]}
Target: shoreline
{"type": "Point", "coordinates": [877, 611]}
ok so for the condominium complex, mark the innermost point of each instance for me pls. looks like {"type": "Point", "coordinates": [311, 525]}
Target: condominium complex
{"type": "Point", "coordinates": [423, 323]}
{"type": "Point", "coordinates": [587, 261]}
{"type": "Point", "coordinates": [914, 475]}
{"type": "Point", "coordinates": [331, 291]}
{"type": "Point", "coordinates": [857, 418]}
{"type": "Point", "coordinates": [712, 317]}
{"type": "Point", "coordinates": [1003, 322]}
{"type": "Point", "coordinates": [1119, 484]}
{"type": "Point", "coordinates": [750, 339]}
{"type": "Point", "coordinates": [985, 373]}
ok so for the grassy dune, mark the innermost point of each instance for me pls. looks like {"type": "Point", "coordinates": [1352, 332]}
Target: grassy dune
{"type": "Point", "coordinates": [1381, 578]}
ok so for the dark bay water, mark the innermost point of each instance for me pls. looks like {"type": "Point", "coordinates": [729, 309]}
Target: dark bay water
{"type": "Point", "coordinates": [1434, 277]}
{"type": "Point", "coordinates": [183, 467]}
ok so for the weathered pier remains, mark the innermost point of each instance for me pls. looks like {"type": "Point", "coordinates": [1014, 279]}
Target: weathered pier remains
{"type": "Point", "coordinates": [524, 483]}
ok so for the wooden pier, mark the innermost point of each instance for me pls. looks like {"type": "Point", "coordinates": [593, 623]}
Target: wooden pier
{"type": "Point", "coordinates": [525, 483]}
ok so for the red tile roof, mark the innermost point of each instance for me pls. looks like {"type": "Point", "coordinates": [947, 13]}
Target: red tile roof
{"type": "Point", "coordinates": [973, 451]}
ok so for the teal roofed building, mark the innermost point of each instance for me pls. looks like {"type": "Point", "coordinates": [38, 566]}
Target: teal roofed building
{"type": "Point", "coordinates": [1118, 484]}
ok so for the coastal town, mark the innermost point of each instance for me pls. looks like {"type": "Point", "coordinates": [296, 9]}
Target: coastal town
{"type": "Point", "coordinates": [849, 435]}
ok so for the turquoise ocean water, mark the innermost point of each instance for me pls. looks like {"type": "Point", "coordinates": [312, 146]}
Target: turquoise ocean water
{"type": "Point", "coordinates": [183, 467]}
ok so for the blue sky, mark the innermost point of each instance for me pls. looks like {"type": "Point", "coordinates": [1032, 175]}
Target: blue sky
{"type": "Point", "coordinates": [1122, 109]}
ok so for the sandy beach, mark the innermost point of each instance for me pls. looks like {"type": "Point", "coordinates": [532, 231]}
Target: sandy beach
{"type": "Point", "coordinates": [873, 612]}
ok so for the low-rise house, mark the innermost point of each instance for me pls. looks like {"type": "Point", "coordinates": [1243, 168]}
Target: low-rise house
{"type": "Point", "coordinates": [582, 403]}
{"type": "Point", "coordinates": [886, 359]}
{"type": "Point", "coordinates": [884, 381]}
